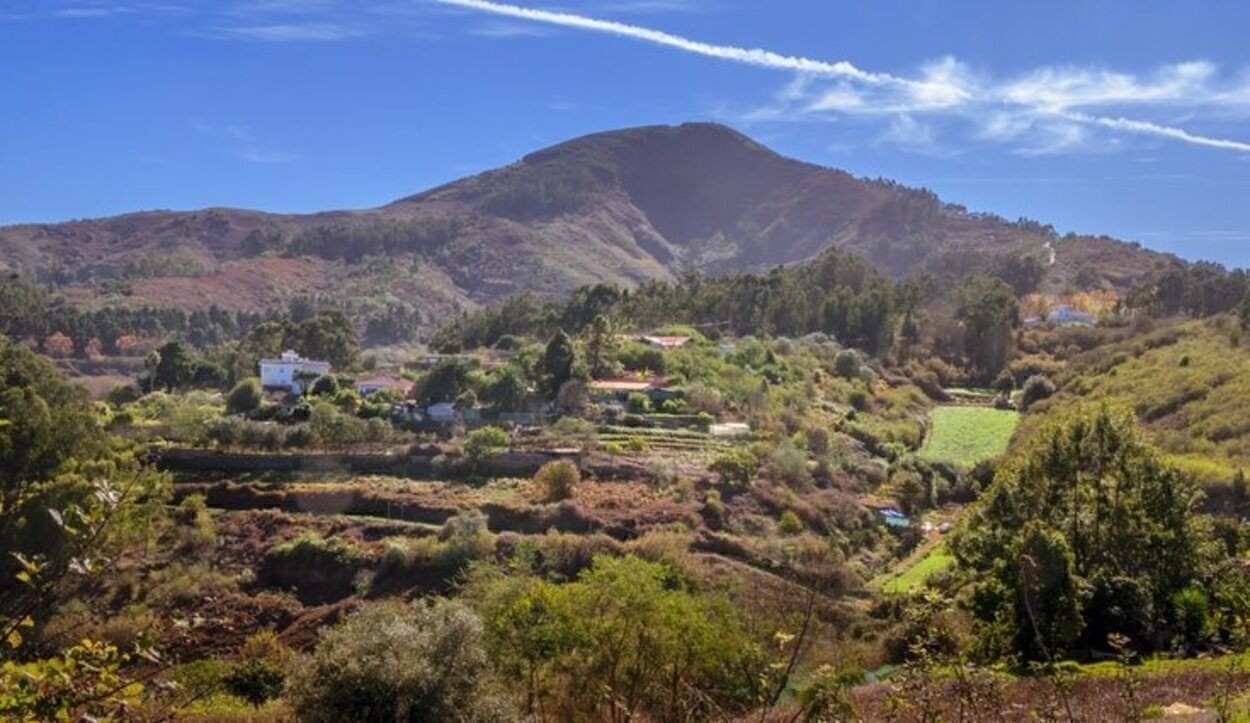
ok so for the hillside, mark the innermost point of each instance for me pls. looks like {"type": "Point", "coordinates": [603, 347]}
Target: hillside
{"type": "Point", "coordinates": [1186, 383]}
{"type": "Point", "coordinates": [622, 206]}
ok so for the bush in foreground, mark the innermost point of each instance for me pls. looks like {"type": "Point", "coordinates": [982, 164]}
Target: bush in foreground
{"type": "Point", "coordinates": [558, 479]}
{"type": "Point", "coordinates": [245, 397]}
{"type": "Point", "coordinates": [398, 662]}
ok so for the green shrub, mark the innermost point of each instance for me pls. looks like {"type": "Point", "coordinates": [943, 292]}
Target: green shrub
{"type": "Point", "coordinates": [195, 524]}
{"type": "Point", "coordinates": [466, 537]}
{"type": "Point", "coordinates": [788, 464]}
{"type": "Point", "coordinates": [1035, 390]}
{"type": "Point", "coordinates": [420, 663]}
{"type": "Point", "coordinates": [637, 403]}
{"type": "Point", "coordinates": [1193, 617]}
{"type": "Point", "coordinates": [789, 524]}
{"type": "Point", "coordinates": [327, 386]}
{"type": "Point", "coordinates": [319, 570]}
{"type": "Point", "coordinates": [736, 468]}
{"type": "Point", "coordinates": [641, 358]}
{"type": "Point", "coordinates": [558, 480]}
{"type": "Point", "coordinates": [123, 394]}
{"type": "Point", "coordinates": [482, 443]}
{"type": "Point", "coordinates": [847, 364]}
{"type": "Point", "coordinates": [256, 681]}
{"type": "Point", "coordinates": [298, 437]}
{"type": "Point", "coordinates": [245, 397]}
{"type": "Point", "coordinates": [332, 426]}
{"type": "Point", "coordinates": [695, 661]}
{"type": "Point", "coordinates": [638, 444]}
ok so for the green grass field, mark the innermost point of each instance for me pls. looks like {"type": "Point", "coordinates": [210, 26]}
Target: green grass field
{"type": "Point", "coordinates": [967, 435]}
{"type": "Point", "coordinates": [913, 577]}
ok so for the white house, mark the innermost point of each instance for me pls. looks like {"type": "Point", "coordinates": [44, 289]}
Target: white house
{"type": "Point", "coordinates": [291, 372]}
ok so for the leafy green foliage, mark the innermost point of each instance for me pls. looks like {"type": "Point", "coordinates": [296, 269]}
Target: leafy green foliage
{"type": "Point", "coordinates": [174, 367]}
{"type": "Point", "coordinates": [329, 336]}
{"type": "Point", "coordinates": [259, 674]}
{"type": "Point", "coordinates": [319, 569]}
{"type": "Point", "coordinates": [447, 381]}
{"type": "Point", "coordinates": [84, 682]}
{"type": "Point", "coordinates": [482, 443]}
{"type": "Point", "coordinates": [1198, 289]}
{"type": "Point", "coordinates": [558, 360]}
{"type": "Point", "coordinates": [601, 346]}
{"type": "Point", "coordinates": [1210, 395]}
{"type": "Point", "coordinates": [332, 426]}
{"type": "Point", "coordinates": [246, 396]}
{"type": "Point", "coordinates": [422, 662]}
{"type": "Point", "coordinates": [736, 468]}
{"type": "Point", "coordinates": [558, 479]}
{"type": "Point", "coordinates": [835, 293]}
{"type": "Point", "coordinates": [1084, 504]}
{"type": "Point", "coordinates": [789, 524]}
{"type": "Point", "coordinates": [627, 638]}
{"type": "Point", "coordinates": [506, 390]}
{"type": "Point", "coordinates": [990, 313]}
{"type": "Point", "coordinates": [1048, 601]}
{"type": "Point", "coordinates": [49, 422]}
{"type": "Point", "coordinates": [637, 403]}
{"type": "Point", "coordinates": [1035, 389]}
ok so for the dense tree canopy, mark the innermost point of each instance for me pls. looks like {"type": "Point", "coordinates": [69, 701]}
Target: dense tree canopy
{"type": "Point", "coordinates": [1198, 289]}
{"type": "Point", "coordinates": [836, 293]}
{"type": "Point", "coordinates": [328, 335]}
{"type": "Point", "coordinates": [68, 497]}
{"type": "Point", "coordinates": [990, 313]}
{"type": "Point", "coordinates": [559, 360]}
{"type": "Point", "coordinates": [1094, 521]}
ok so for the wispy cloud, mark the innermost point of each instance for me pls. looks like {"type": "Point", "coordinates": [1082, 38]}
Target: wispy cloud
{"type": "Point", "coordinates": [291, 32]}
{"type": "Point", "coordinates": [243, 143]}
{"type": "Point", "coordinates": [267, 155]}
{"type": "Point", "coordinates": [1045, 111]}
{"type": "Point", "coordinates": [248, 20]}
{"type": "Point", "coordinates": [509, 30]}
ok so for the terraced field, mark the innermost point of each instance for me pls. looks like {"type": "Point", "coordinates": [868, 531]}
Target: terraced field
{"type": "Point", "coordinates": [963, 435]}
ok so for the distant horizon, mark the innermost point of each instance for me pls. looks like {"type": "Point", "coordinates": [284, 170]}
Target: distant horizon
{"type": "Point", "coordinates": [1117, 118]}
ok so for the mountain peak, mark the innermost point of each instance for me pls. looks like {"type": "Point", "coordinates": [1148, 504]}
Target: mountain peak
{"type": "Point", "coordinates": [618, 206]}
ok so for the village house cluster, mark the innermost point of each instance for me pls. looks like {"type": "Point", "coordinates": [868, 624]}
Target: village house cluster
{"type": "Point", "coordinates": [296, 376]}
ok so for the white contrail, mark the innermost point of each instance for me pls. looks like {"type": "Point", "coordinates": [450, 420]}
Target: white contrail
{"type": "Point", "coordinates": [748, 56]}
{"type": "Point", "coordinates": [1154, 129]}
{"type": "Point", "coordinates": [842, 69]}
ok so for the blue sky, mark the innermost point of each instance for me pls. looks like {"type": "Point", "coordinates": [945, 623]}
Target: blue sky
{"type": "Point", "coordinates": [1122, 117]}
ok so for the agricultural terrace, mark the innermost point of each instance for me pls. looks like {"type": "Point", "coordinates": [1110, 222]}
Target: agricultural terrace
{"type": "Point", "coordinates": [963, 435]}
